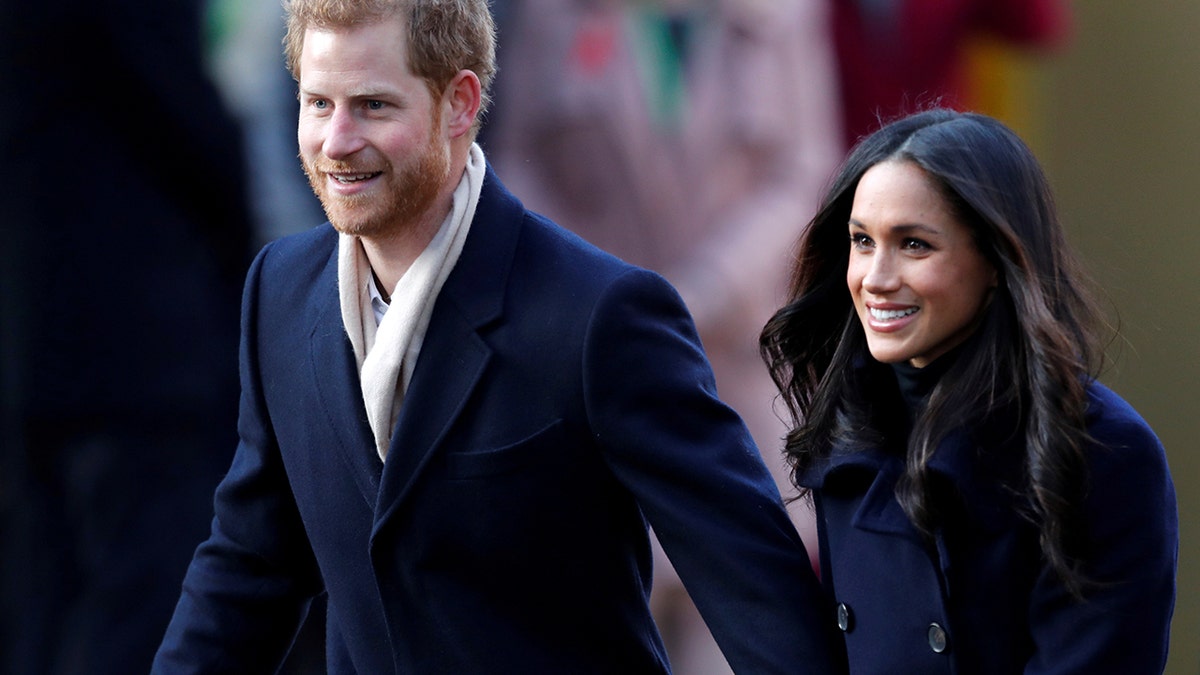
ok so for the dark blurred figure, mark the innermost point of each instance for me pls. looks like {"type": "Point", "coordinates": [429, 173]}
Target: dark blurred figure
{"type": "Point", "coordinates": [125, 237]}
{"type": "Point", "coordinates": [896, 55]}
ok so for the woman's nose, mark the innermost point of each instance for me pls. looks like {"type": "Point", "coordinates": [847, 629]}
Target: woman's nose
{"type": "Point", "coordinates": [883, 274]}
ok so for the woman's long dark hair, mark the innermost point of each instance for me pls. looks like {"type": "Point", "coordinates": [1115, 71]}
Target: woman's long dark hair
{"type": "Point", "coordinates": [1032, 356]}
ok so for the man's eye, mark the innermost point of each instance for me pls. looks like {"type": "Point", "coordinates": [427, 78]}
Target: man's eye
{"type": "Point", "coordinates": [374, 105]}
{"type": "Point", "coordinates": [320, 104]}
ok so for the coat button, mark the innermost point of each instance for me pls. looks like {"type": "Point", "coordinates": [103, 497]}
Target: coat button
{"type": "Point", "coordinates": [938, 640]}
{"type": "Point", "coordinates": [845, 617]}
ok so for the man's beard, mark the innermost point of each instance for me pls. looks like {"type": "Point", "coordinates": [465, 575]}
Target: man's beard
{"type": "Point", "coordinates": [409, 193]}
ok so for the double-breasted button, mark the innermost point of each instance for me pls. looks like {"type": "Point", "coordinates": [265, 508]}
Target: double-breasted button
{"type": "Point", "coordinates": [845, 617]}
{"type": "Point", "coordinates": [938, 640]}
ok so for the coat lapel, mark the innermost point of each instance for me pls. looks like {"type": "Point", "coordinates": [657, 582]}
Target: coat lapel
{"type": "Point", "coordinates": [435, 398]}
{"type": "Point", "coordinates": [878, 511]}
{"type": "Point", "coordinates": [337, 384]}
{"type": "Point", "coordinates": [979, 476]}
{"type": "Point", "coordinates": [454, 355]}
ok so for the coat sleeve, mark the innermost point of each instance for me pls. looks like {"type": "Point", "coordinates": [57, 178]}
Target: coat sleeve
{"type": "Point", "coordinates": [249, 585]}
{"type": "Point", "coordinates": [700, 482]}
{"type": "Point", "coordinates": [1124, 623]}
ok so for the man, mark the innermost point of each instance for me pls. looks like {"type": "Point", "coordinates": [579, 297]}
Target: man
{"type": "Point", "coordinates": [457, 418]}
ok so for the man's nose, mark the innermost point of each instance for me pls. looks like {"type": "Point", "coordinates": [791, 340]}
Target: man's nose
{"type": "Point", "coordinates": [344, 135]}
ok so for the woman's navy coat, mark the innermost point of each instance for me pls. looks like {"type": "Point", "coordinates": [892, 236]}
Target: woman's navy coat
{"type": "Point", "coordinates": [980, 599]}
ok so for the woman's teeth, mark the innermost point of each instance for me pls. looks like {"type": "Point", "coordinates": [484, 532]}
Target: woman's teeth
{"type": "Point", "coordinates": [889, 314]}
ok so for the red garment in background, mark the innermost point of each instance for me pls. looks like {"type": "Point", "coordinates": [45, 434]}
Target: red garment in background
{"type": "Point", "coordinates": [896, 55]}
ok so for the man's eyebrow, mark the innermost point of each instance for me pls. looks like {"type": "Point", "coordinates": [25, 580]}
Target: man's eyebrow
{"type": "Point", "coordinates": [360, 93]}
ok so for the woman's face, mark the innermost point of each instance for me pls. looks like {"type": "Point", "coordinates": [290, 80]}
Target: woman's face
{"type": "Point", "coordinates": [919, 283]}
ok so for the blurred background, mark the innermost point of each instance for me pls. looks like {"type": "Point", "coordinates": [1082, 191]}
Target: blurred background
{"type": "Point", "coordinates": [708, 128]}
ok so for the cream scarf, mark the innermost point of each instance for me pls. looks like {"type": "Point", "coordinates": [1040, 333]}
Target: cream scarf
{"type": "Point", "coordinates": [387, 353]}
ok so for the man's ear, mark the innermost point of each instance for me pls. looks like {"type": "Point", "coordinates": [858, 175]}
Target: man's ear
{"type": "Point", "coordinates": [463, 97]}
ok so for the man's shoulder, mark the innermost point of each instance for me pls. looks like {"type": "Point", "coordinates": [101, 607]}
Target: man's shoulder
{"type": "Point", "coordinates": [289, 270]}
{"type": "Point", "coordinates": [561, 262]}
{"type": "Point", "coordinates": [543, 233]}
{"type": "Point", "coordinates": [318, 243]}
{"type": "Point", "coordinates": [298, 256]}
{"type": "Point", "coordinates": [539, 246]}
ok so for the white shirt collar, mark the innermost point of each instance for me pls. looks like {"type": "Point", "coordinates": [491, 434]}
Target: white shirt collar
{"type": "Point", "coordinates": [379, 306]}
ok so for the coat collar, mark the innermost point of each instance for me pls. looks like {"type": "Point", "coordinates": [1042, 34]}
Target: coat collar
{"type": "Point", "coordinates": [453, 356]}
{"type": "Point", "coordinates": [335, 373]}
{"type": "Point", "coordinates": [978, 472]}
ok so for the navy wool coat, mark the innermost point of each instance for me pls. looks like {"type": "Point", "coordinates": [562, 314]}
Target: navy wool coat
{"type": "Point", "coordinates": [561, 401]}
{"type": "Point", "coordinates": [980, 599]}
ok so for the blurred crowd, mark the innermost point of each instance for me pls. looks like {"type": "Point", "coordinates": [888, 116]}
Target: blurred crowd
{"type": "Point", "coordinates": [151, 149]}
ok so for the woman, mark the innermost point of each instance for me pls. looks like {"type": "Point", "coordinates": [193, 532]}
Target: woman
{"type": "Point", "coordinates": [984, 504]}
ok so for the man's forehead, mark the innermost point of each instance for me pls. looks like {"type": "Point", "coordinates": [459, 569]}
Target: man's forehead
{"type": "Point", "coordinates": [349, 49]}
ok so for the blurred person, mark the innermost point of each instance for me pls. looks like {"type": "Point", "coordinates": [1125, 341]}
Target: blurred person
{"type": "Point", "coordinates": [984, 504]}
{"type": "Point", "coordinates": [688, 137]}
{"type": "Point", "coordinates": [248, 69]}
{"type": "Point", "coordinates": [124, 241]}
{"type": "Point", "coordinates": [895, 56]}
{"type": "Point", "coordinates": [457, 418]}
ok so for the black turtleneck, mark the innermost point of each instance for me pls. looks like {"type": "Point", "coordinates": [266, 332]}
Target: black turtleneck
{"type": "Point", "coordinates": [915, 384]}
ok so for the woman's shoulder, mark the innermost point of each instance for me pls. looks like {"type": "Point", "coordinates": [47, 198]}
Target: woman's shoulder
{"type": "Point", "coordinates": [1114, 424]}
{"type": "Point", "coordinates": [1133, 527]}
{"type": "Point", "coordinates": [1127, 461]}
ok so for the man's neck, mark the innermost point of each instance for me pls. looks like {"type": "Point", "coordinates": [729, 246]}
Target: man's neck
{"type": "Point", "coordinates": [391, 256]}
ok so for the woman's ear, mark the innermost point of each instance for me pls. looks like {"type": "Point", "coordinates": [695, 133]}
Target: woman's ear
{"type": "Point", "coordinates": [463, 97]}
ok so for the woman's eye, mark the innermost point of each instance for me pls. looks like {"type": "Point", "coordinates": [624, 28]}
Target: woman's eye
{"type": "Point", "coordinates": [859, 240]}
{"type": "Point", "coordinates": [915, 244]}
